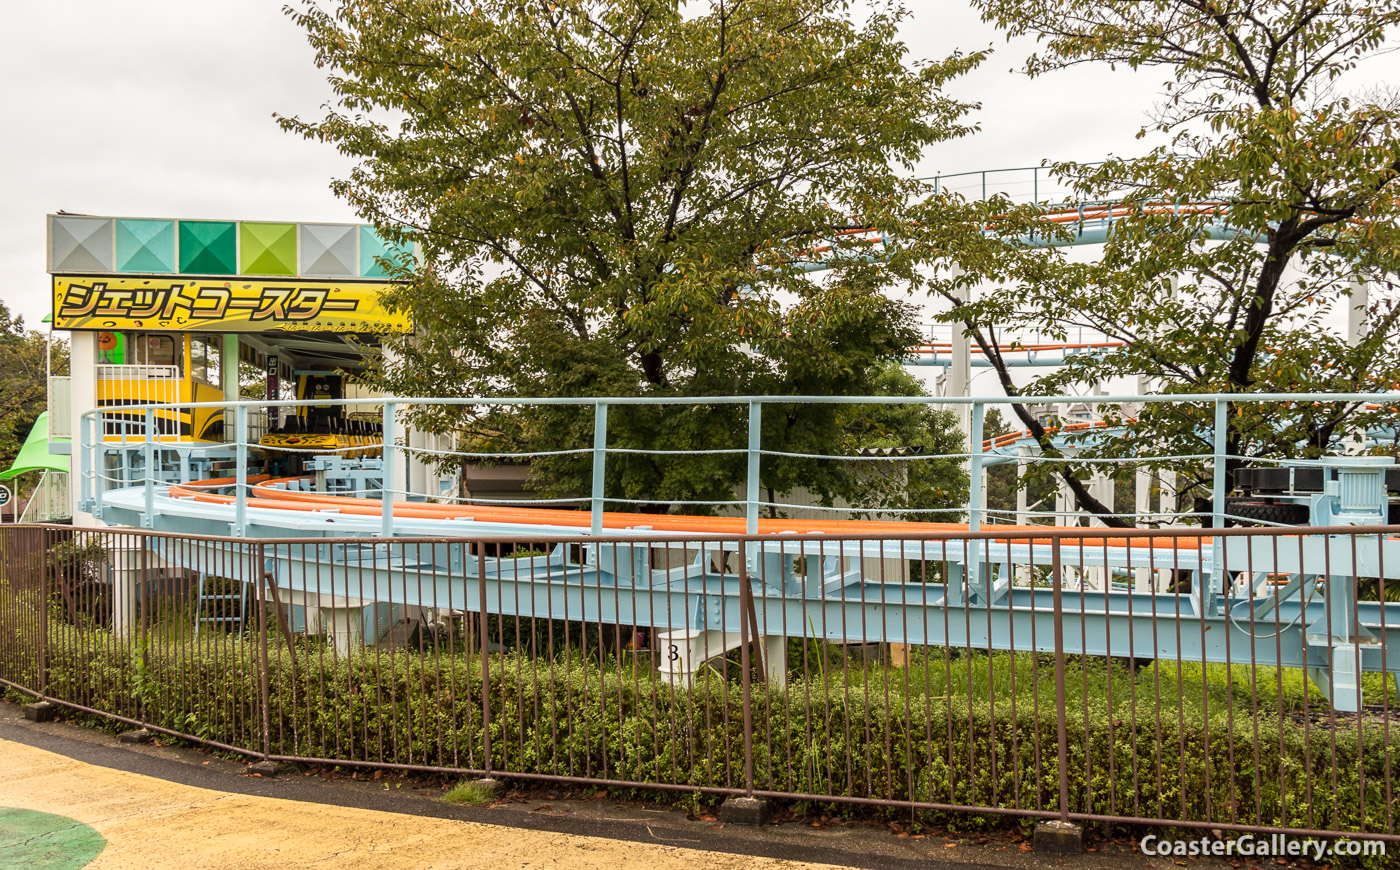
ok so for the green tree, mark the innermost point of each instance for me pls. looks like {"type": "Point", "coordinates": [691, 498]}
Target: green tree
{"type": "Point", "coordinates": [1001, 478]}
{"type": "Point", "coordinates": [23, 381]}
{"type": "Point", "coordinates": [1271, 190]}
{"type": "Point", "coordinates": [628, 197]}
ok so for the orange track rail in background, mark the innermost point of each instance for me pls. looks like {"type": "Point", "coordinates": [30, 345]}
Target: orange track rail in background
{"type": "Point", "coordinates": [267, 494]}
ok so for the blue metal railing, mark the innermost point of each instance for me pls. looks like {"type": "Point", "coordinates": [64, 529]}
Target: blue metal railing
{"type": "Point", "coordinates": [92, 473]}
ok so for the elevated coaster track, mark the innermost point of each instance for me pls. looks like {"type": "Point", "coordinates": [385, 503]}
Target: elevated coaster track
{"type": "Point", "coordinates": [1287, 595]}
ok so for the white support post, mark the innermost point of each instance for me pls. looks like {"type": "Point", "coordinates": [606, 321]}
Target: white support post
{"type": "Point", "coordinates": [82, 398]}
{"type": "Point", "coordinates": [228, 378]}
{"type": "Point", "coordinates": [1142, 482]}
{"type": "Point", "coordinates": [416, 464]}
{"type": "Point", "coordinates": [959, 374]}
{"type": "Point", "coordinates": [124, 573]}
{"type": "Point", "coordinates": [1023, 496]}
{"type": "Point", "coordinates": [1357, 312]}
{"type": "Point", "coordinates": [1359, 301]}
{"type": "Point", "coordinates": [1168, 499]}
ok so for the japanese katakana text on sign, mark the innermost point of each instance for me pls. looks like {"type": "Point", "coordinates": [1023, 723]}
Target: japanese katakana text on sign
{"type": "Point", "coordinates": [180, 304]}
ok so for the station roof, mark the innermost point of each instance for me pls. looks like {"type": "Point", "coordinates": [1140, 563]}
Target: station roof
{"type": "Point", "coordinates": [95, 245]}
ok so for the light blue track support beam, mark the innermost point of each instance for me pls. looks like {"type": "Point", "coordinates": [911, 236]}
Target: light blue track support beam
{"type": "Point", "coordinates": [855, 606]}
{"type": "Point", "coordinates": [240, 416]}
{"type": "Point", "coordinates": [99, 468]}
{"type": "Point", "coordinates": [81, 460]}
{"type": "Point", "coordinates": [755, 454]}
{"type": "Point", "coordinates": [974, 468]}
{"type": "Point", "coordinates": [95, 466]}
{"type": "Point", "coordinates": [1217, 501]}
{"type": "Point", "coordinates": [148, 459]}
{"type": "Point", "coordinates": [973, 572]}
{"type": "Point", "coordinates": [1016, 359]}
{"type": "Point", "coordinates": [600, 455]}
{"type": "Point", "coordinates": [1221, 446]}
{"type": "Point", "coordinates": [390, 484]}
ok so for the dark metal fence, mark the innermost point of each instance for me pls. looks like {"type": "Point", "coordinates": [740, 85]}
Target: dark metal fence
{"type": "Point", "coordinates": [1073, 673]}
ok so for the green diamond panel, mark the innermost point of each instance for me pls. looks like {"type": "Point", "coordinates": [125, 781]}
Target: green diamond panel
{"type": "Point", "coordinates": [373, 247]}
{"type": "Point", "coordinates": [267, 248]}
{"type": "Point", "coordinates": [208, 248]}
{"type": "Point", "coordinates": [146, 246]}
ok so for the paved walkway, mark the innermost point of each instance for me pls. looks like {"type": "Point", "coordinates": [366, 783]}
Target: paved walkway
{"type": "Point", "coordinates": [56, 812]}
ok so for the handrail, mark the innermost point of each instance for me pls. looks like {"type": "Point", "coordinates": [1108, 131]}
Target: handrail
{"type": "Point", "coordinates": [1114, 399]}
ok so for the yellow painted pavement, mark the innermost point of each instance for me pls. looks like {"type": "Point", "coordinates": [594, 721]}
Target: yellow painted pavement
{"type": "Point", "coordinates": [152, 823]}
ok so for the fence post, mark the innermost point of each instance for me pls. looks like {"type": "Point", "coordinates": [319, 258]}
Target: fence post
{"type": "Point", "coordinates": [389, 482]}
{"type": "Point", "coordinates": [240, 434]}
{"type": "Point", "coordinates": [1061, 726]}
{"type": "Point", "coordinates": [146, 591]}
{"type": "Point", "coordinates": [265, 683]}
{"type": "Point", "coordinates": [746, 679]}
{"type": "Point", "coordinates": [485, 658]}
{"type": "Point", "coordinates": [754, 455]}
{"type": "Point", "coordinates": [148, 458]}
{"type": "Point", "coordinates": [44, 563]}
{"type": "Point", "coordinates": [600, 453]}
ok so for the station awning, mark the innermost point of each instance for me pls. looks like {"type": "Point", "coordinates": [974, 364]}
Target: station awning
{"type": "Point", "coordinates": [35, 455]}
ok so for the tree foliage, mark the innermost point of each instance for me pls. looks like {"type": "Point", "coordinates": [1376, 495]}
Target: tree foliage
{"type": "Point", "coordinates": [23, 381]}
{"type": "Point", "coordinates": [1271, 191]}
{"type": "Point", "coordinates": [626, 197]}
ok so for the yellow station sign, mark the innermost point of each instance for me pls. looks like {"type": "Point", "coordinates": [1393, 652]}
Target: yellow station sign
{"type": "Point", "coordinates": [222, 305]}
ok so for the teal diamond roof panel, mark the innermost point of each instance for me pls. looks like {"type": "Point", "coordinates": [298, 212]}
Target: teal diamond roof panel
{"type": "Point", "coordinates": [208, 248]}
{"type": "Point", "coordinates": [372, 247]}
{"type": "Point", "coordinates": [329, 250]}
{"type": "Point", "coordinates": [145, 246]}
{"type": "Point", "coordinates": [80, 244]}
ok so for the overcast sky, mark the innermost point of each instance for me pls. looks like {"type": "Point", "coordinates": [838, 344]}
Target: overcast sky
{"type": "Point", "coordinates": [163, 108]}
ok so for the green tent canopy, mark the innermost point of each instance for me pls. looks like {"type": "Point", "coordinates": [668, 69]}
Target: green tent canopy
{"type": "Point", "coordinates": [35, 455]}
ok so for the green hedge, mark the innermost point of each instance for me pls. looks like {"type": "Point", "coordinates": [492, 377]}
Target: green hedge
{"type": "Point", "coordinates": [929, 732]}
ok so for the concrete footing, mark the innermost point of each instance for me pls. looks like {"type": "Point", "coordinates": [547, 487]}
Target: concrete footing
{"type": "Point", "coordinates": [140, 735]}
{"type": "Point", "coordinates": [40, 711]}
{"type": "Point", "coordinates": [745, 811]}
{"type": "Point", "coordinates": [494, 786]}
{"type": "Point", "coordinates": [264, 768]}
{"type": "Point", "coordinates": [1058, 838]}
